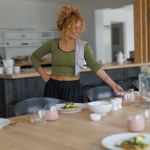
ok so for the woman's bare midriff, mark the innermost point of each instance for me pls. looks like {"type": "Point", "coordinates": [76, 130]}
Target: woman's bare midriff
{"type": "Point", "coordinates": [64, 78]}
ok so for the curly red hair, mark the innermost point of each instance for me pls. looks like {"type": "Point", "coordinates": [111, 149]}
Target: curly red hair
{"type": "Point", "coordinates": [68, 17]}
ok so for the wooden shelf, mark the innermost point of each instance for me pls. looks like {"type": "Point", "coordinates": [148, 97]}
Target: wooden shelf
{"type": "Point", "coordinates": [24, 45]}
{"type": "Point", "coordinates": [33, 38]}
{"type": "Point", "coordinates": [30, 64]}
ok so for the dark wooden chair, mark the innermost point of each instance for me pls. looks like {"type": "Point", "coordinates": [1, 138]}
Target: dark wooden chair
{"type": "Point", "coordinates": [26, 106]}
{"type": "Point", "coordinates": [99, 93]}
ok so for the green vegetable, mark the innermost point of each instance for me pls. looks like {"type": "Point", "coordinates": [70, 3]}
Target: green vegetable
{"type": "Point", "coordinates": [139, 144]}
{"type": "Point", "coordinates": [145, 74]}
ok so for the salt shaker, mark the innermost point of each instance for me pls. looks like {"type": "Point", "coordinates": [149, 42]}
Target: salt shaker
{"type": "Point", "coordinates": [119, 102]}
{"type": "Point", "coordinates": [114, 102]}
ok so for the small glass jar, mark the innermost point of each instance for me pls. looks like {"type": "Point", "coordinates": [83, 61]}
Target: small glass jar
{"type": "Point", "coordinates": [51, 112]}
{"type": "Point", "coordinates": [131, 95]}
{"type": "Point", "coordinates": [126, 98]}
{"type": "Point", "coordinates": [136, 122]}
{"type": "Point", "coordinates": [38, 116]}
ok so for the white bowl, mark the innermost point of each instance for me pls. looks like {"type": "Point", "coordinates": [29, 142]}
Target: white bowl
{"type": "Point", "coordinates": [95, 117]}
{"type": "Point", "coordinates": [100, 107]}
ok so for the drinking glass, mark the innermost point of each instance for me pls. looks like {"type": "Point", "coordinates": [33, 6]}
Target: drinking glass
{"type": "Point", "coordinates": [38, 116]}
{"type": "Point", "coordinates": [136, 122]}
{"type": "Point", "coordinates": [146, 115]}
{"type": "Point", "coordinates": [127, 98]}
{"type": "Point", "coordinates": [51, 112]}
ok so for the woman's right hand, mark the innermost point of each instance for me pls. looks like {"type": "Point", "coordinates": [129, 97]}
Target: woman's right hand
{"type": "Point", "coordinates": [46, 77]}
{"type": "Point", "coordinates": [43, 74]}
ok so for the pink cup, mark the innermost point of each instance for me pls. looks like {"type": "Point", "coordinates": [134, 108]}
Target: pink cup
{"type": "Point", "coordinates": [136, 122]}
{"type": "Point", "coordinates": [51, 112]}
{"type": "Point", "coordinates": [50, 116]}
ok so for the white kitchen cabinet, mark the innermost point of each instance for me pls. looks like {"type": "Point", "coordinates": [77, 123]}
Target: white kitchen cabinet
{"type": "Point", "coordinates": [23, 42]}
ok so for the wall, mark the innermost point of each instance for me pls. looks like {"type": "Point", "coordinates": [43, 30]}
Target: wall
{"type": "Point", "coordinates": [99, 35]}
{"type": "Point", "coordinates": [34, 15]}
{"type": "Point", "coordinates": [107, 44]}
{"type": "Point", "coordinates": [15, 14]}
{"type": "Point", "coordinates": [40, 15]}
{"type": "Point", "coordinates": [125, 16]}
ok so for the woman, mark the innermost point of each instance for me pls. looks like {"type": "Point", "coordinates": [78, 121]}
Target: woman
{"type": "Point", "coordinates": [68, 54]}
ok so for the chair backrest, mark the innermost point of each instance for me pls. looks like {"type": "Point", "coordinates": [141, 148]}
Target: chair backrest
{"type": "Point", "coordinates": [136, 84]}
{"type": "Point", "coordinates": [100, 92]}
{"type": "Point", "coordinates": [26, 106]}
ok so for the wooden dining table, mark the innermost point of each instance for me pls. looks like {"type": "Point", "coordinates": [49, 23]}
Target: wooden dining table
{"type": "Point", "coordinates": [74, 131]}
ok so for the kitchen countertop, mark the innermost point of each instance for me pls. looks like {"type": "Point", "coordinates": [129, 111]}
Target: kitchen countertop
{"type": "Point", "coordinates": [33, 73]}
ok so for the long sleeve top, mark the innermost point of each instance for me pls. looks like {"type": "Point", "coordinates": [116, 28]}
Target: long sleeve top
{"type": "Point", "coordinates": [63, 63]}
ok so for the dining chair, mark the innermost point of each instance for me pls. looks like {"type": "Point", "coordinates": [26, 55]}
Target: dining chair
{"type": "Point", "coordinates": [26, 106]}
{"type": "Point", "coordinates": [136, 84]}
{"type": "Point", "coordinates": [99, 93]}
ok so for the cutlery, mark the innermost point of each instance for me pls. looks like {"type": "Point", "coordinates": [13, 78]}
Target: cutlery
{"type": "Point", "coordinates": [95, 148]}
{"type": "Point", "coordinates": [13, 123]}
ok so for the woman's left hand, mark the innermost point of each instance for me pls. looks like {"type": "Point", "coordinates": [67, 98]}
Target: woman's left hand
{"type": "Point", "coordinates": [117, 89]}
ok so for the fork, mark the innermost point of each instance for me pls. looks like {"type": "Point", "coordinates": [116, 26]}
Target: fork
{"type": "Point", "coordinates": [95, 147]}
{"type": "Point", "coordinates": [13, 123]}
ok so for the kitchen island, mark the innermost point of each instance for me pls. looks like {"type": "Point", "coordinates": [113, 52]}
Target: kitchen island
{"type": "Point", "coordinates": [17, 87]}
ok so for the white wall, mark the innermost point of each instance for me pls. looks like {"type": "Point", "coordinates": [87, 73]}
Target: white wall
{"type": "Point", "coordinates": [40, 15]}
{"type": "Point", "coordinates": [16, 14]}
{"type": "Point", "coordinates": [119, 15]}
{"type": "Point", "coordinates": [107, 44]}
{"type": "Point", "coordinates": [99, 35]}
{"type": "Point", "coordinates": [34, 15]}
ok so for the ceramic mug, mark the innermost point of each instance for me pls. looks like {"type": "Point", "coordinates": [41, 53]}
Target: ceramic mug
{"type": "Point", "coordinates": [1, 70]}
{"type": "Point", "coordinates": [16, 69]}
{"type": "Point", "coordinates": [9, 70]}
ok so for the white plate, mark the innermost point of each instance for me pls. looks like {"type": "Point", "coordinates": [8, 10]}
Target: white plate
{"type": "Point", "coordinates": [72, 111]}
{"type": "Point", "coordinates": [122, 94]}
{"type": "Point", "coordinates": [4, 122]}
{"type": "Point", "coordinates": [80, 105]}
{"type": "Point", "coordinates": [136, 92]}
{"type": "Point", "coordinates": [110, 142]}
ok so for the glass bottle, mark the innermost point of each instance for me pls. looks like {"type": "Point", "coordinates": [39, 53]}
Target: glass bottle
{"type": "Point", "coordinates": [144, 88]}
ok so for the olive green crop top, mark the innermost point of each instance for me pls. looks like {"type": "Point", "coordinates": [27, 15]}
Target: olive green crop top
{"type": "Point", "coordinates": [63, 63]}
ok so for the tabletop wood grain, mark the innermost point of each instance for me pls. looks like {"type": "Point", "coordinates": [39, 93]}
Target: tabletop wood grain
{"type": "Point", "coordinates": [70, 132]}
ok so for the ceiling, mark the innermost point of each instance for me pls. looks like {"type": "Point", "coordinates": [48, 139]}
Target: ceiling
{"type": "Point", "coordinates": [58, 1]}
{"type": "Point", "coordinates": [68, 1]}
{"type": "Point", "coordinates": [125, 4]}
